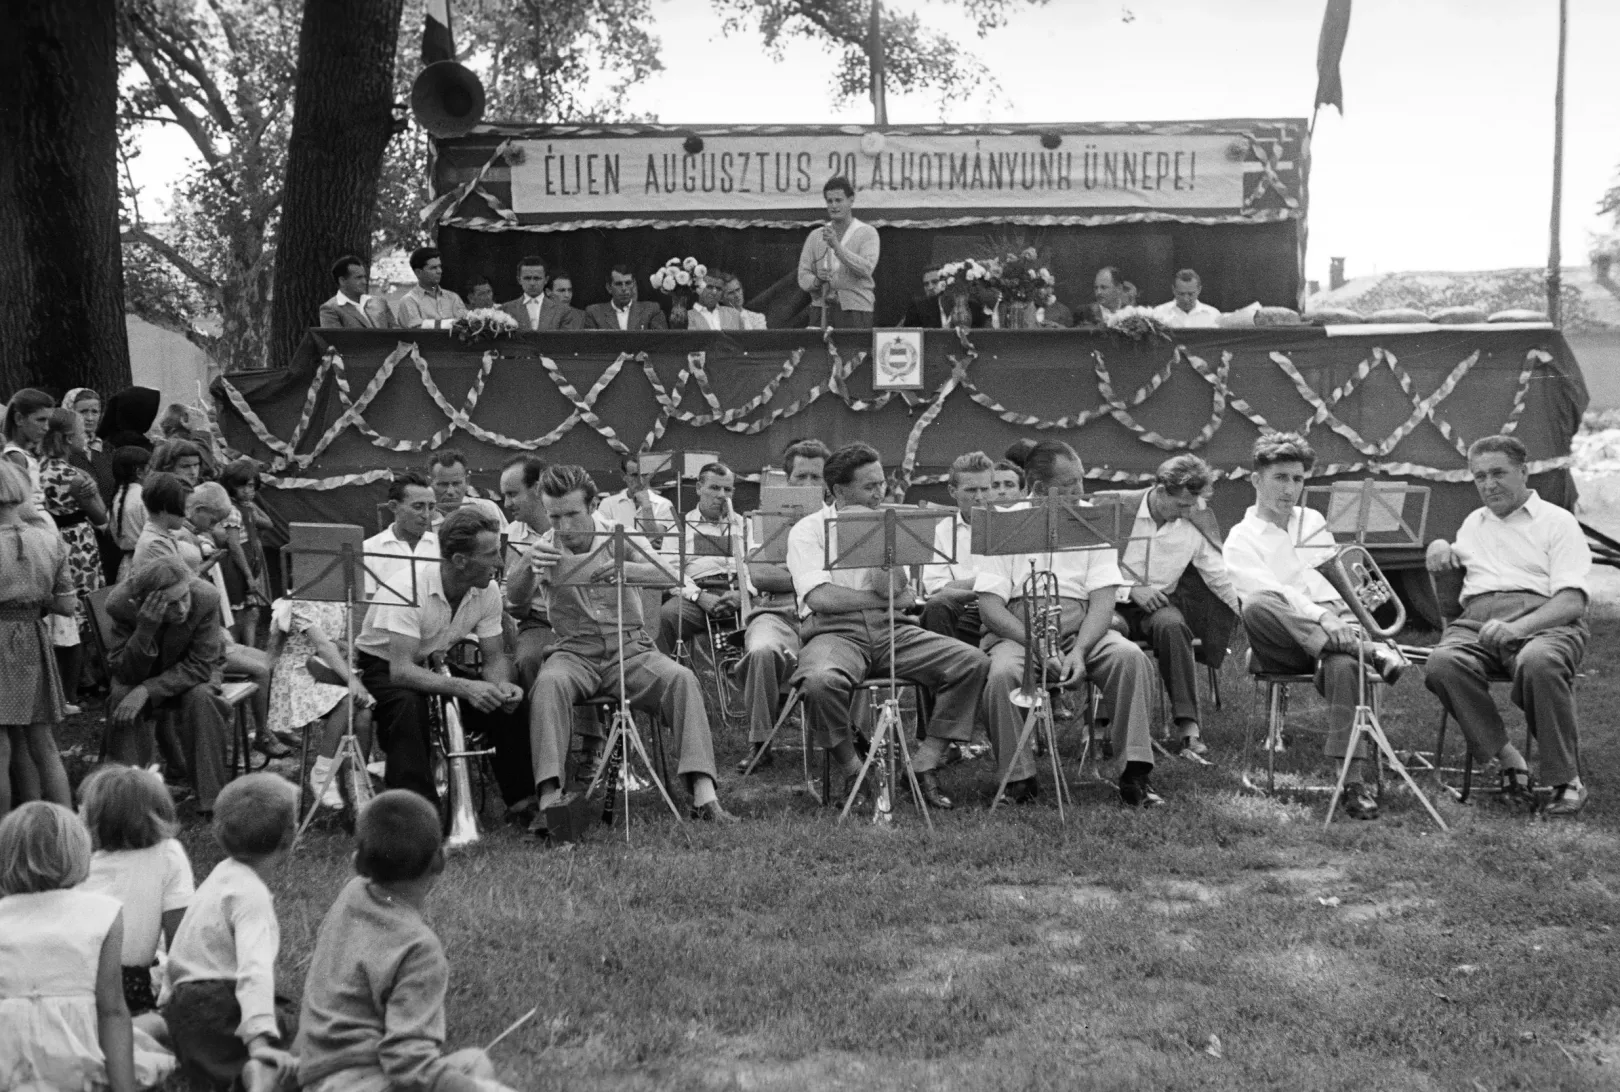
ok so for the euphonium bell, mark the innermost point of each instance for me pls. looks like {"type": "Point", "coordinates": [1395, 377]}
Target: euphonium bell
{"type": "Point", "coordinates": [1043, 629]}
{"type": "Point", "coordinates": [458, 786]}
{"type": "Point", "coordinates": [1365, 590]}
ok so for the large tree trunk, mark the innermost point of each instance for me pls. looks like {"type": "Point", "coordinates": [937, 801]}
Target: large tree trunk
{"type": "Point", "coordinates": [342, 123]}
{"type": "Point", "coordinates": [61, 263]}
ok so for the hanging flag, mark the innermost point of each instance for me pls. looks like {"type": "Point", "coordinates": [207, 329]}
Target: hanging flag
{"type": "Point", "coordinates": [437, 43]}
{"type": "Point", "coordinates": [1329, 48]}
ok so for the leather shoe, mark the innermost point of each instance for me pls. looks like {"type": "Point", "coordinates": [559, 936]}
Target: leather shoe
{"type": "Point", "coordinates": [928, 781]}
{"type": "Point", "coordinates": [1134, 788]}
{"type": "Point", "coordinates": [1023, 791]}
{"type": "Point", "coordinates": [270, 747]}
{"type": "Point", "coordinates": [1359, 802]}
{"type": "Point", "coordinates": [712, 812]}
{"type": "Point", "coordinates": [1567, 800]}
{"type": "Point", "coordinates": [1389, 664]}
{"type": "Point", "coordinates": [766, 757]}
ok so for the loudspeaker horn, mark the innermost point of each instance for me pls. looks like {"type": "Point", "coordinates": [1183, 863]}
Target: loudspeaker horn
{"type": "Point", "coordinates": [447, 99]}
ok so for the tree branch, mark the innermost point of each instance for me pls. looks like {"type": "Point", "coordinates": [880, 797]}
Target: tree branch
{"type": "Point", "coordinates": [183, 59]}
{"type": "Point", "coordinates": [170, 98]}
{"type": "Point", "coordinates": [190, 271]}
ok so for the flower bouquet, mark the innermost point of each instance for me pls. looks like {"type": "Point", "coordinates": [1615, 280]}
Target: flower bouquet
{"type": "Point", "coordinates": [484, 324]}
{"type": "Point", "coordinates": [1138, 324]}
{"type": "Point", "coordinates": [678, 279]}
{"type": "Point", "coordinates": [1021, 277]}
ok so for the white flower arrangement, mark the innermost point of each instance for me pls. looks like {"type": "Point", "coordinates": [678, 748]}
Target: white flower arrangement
{"type": "Point", "coordinates": [484, 324]}
{"type": "Point", "coordinates": [678, 273]}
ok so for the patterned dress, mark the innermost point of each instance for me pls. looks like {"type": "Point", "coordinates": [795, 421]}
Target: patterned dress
{"type": "Point", "coordinates": [295, 697]}
{"type": "Point", "coordinates": [33, 570]}
{"type": "Point", "coordinates": [58, 478]}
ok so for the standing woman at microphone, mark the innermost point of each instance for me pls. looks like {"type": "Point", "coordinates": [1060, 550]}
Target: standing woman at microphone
{"type": "Point", "coordinates": [837, 263]}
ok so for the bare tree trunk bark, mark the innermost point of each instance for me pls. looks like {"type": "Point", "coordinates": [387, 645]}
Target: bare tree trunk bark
{"type": "Point", "coordinates": [342, 123]}
{"type": "Point", "coordinates": [61, 265]}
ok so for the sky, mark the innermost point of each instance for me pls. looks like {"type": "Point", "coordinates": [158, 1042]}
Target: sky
{"type": "Point", "coordinates": [1442, 160]}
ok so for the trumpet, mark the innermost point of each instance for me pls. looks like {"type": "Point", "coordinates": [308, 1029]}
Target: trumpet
{"type": "Point", "coordinates": [1043, 634]}
{"type": "Point", "coordinates": [1364, 588]}
{"type": "Point", "coordinates": [463, 817]}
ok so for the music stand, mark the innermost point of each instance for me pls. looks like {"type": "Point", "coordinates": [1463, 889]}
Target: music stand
{"type": "Point", "coordinates": [859, 538]}
{"type": "Point", "coordinates": [624, 739]}
{"type": "Point", "coordinates": [1359, 514]}
{"type": "Point", "coordinates": [326, 562]}
{"type": "Point", "coordinates": [685, 465]}
{"type": "Point", "coordinates": [1043, 527]}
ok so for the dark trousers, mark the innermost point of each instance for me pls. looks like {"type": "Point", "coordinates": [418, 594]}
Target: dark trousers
{"type": "Point", "coordinates": [203, 723]}
{"type": "Point", "coordinates": [202, 1018]}
{"type": "Point", "coordinates": [954, 612]}
{"type": "Point", "coordinates": [843, 650]}
{"type": "Point", "coordinates": [1283, 641]}
{"type": "Point", "coordinates": [1167, 632]}
{"type": "Point", "coordinates": [1543, 673]}
{"type": "Point", "coordinates": [404, 731]}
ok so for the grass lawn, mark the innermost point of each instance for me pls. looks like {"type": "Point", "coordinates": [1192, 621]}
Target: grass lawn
{"type": "Point", "coordinates": [1225, 941]}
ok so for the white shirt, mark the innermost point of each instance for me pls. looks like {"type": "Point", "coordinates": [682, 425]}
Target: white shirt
{"type": "Point", "coordinates": [704, 318]}
{"type": "Point", "coordinates": [340, 300]}
{"type": "Point", "coordinates": [623, 314]}
{"type": "Point", "coordinates": [532, 305]}
{"type": "Point", "coordinates": [1201, 317]}
{"type": "Point", "coordinates": [1538, 548]}
{"type": "Point", "coordinates": [752, 320]}
{"type": "Point", "coordinates": [935, 577]}
{"type": "Point", "coordinates": [1078, 572]}
{"type": "Point", "coordinates": [431, 621]}
{"type": "Point", "coordinates": [1263, 557]}
{"type": "Point", "coordinates": [396, 575]}
{"type": "Point", "coordinates": [704, 566]}
{"type": "Point", "coordinates": [436, 309]}
{"type": "Point", "coordinates": [1160, 554]}
{"type": "Point", "coordinates": [230, 932]}
{"type": "Point", "coordinates": [149, 882]}
{"type": "Point", "coordinates": [618, 508]}
{"type": "Point", "coordinates": [807, 559]}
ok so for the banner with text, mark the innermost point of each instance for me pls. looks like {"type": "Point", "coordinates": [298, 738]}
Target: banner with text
{"type": "Point", "coordinates": [601, 176]}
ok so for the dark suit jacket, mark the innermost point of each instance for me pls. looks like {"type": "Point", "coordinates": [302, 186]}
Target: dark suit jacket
{"type": "Point", "coordinates": [923, 311]}
{"type": "Point", "coordinates": [553, 315]}
{"type": "Point", "coordinates": [179, 655]}
{"type": "Point", "coordinates": [644, 315]}
{"type": "Point", "coordinates": [1211, 620]}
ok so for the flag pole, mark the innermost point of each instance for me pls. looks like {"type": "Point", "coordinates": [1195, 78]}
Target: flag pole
{"type": "Point", "coordinates": [874, 53]}
{"type": "Point", "coordinates": [1555, 279]}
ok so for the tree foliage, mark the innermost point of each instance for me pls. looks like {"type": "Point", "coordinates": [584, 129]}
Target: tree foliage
{"type": "Point", "coordinates": [916, 58]}
{"type": "Point", "coordinates": [221, 71]}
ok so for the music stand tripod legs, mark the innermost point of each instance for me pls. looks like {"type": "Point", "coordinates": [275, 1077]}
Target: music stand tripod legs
{"type": "Point", "coordinates": [1040, 720]}
{"type": "Point", "coordinates": [1366, 724]}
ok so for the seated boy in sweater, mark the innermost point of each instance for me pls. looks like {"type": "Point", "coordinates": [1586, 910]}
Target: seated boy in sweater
{"type": "Point", "coordinates": [373, 1015]}
{"type": "Point", "coordinates": [220, 1003]}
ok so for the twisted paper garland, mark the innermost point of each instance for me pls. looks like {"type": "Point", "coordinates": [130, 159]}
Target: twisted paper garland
{"type": "Point", "coordinates": [669, 400]}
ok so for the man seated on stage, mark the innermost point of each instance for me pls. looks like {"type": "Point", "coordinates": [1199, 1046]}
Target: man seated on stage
{"type": "Point", "coordinates": [1087, 582]}
{"type": "Point", "coordinates": [1524, 597]}
{"type": "Point", "coordinates": [846, 634]}
{"type": "Point", "coordinates": [591, 637]}
{"type": "Point", "coordinates": [708, 587]}
{"type": "Point", "coordinates": [1296, 622]}
{"type": "Point", "coordinates": [637, 506]}
{"type": "Point", "coordinates": [952, 607]}
{"type": "Point", "coordinates": [771, 645]}
{"type": "Point", "coordinates": [452, 488]}
{"type": "Point", "coordinates": [737, 299]}
{"type": "Point", "coordinates": [1160, 601]}
{"type": "Point", "coordinates": [399, 648]}
{"type": "Point", "coordinates": [167, 652]}
{"type": "Point", "coordinates": [1184, 311]}
{"type": "Point", "coordinates": [410, 498]}
{"type": "Point", "coordinates": [622, 311]}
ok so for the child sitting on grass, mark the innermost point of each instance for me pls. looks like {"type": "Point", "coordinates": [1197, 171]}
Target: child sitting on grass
{"type": "Point", "coordinates": [63, 1022]}
{"type": "Point", "coordinates": [221, 1009]}
{"type": "Point", "coordinates": [138, 862]}
{"type": "Point", "coordinates": [373, 1015]}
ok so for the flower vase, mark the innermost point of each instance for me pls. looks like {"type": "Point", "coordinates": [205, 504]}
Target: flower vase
{"type": "Point", "coordinates": [1021, 315]}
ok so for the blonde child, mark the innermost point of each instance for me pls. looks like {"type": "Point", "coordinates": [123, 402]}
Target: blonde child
{"type": "Point", "coordinates": [138, 862]}
{"type": "Point", "coordinates": [221, 1008]}
{"type": "Point", "coordinates": [373, 1013]}
{"type": "Point", "coordinates": [63, 1022]}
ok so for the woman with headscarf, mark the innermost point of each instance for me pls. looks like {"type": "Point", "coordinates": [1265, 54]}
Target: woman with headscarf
{"type": "Point", "coordinates": [75, 504]}
{"type": "Point", "coordinates": [128, 418]}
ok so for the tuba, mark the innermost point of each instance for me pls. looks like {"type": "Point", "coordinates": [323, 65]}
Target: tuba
{"type": "Point", "coordinates": [1364, 588]}
{"type": "Point", "coordinates": [463, 817]}
{"type": "Point", "coordinates": [1043, 629]}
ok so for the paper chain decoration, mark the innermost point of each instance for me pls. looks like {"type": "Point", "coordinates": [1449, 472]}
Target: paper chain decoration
{"type": "Point", "coordinates": [695, 373]}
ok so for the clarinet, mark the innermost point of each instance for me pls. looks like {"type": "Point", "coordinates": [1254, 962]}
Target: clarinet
{"type": "Point", "coordinates": [614, 761]}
